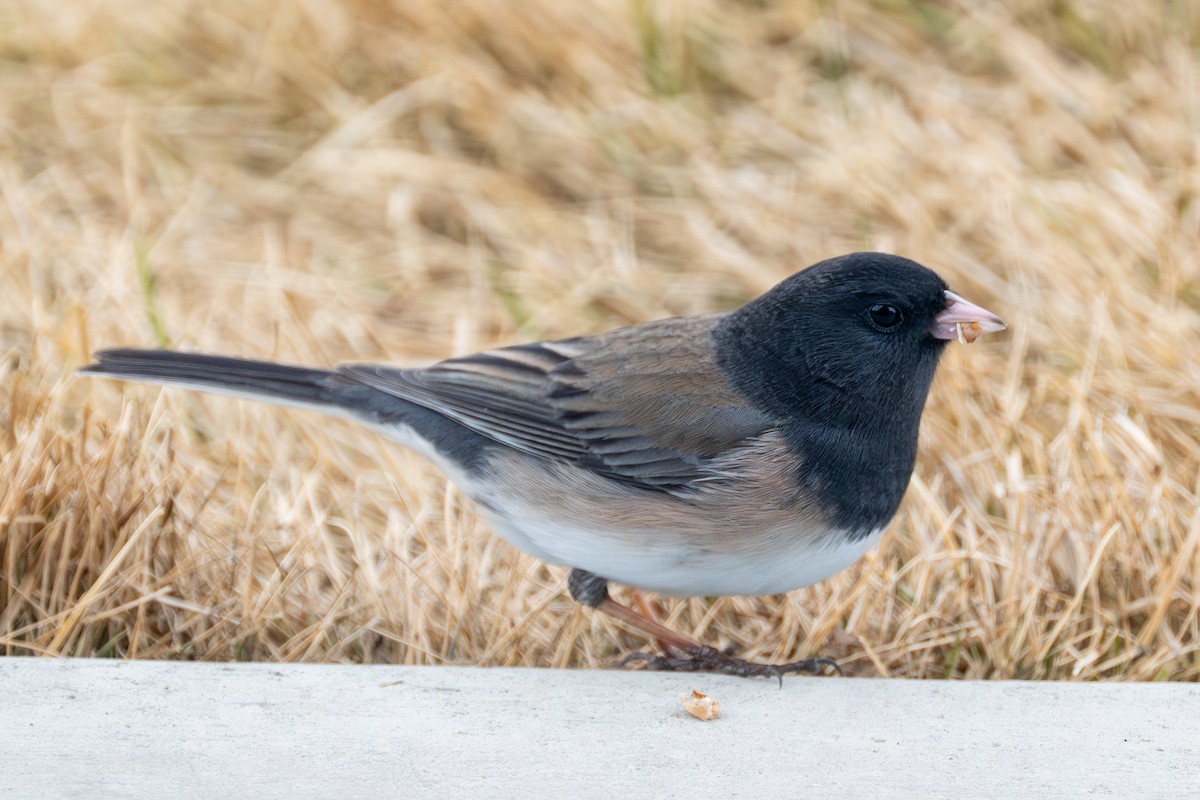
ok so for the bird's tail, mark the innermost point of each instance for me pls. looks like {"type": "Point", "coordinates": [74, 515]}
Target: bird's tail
{"type": "Point", "coordinates": [260, 380]}
{"type": "Point", "coordinates": [331, 392]}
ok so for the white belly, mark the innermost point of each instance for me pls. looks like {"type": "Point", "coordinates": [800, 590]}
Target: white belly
{"type": "Point", "coordinates": [755, 560]}
{"type": "Point", "coordinates": [777, 561]}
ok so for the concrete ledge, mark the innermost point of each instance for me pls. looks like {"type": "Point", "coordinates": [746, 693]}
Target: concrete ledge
{"type": "Point", "coordinates": [150, 729]}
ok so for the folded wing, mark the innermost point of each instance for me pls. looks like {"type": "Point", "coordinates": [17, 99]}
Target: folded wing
{"type": "Point", "coordinates": [645, 405]}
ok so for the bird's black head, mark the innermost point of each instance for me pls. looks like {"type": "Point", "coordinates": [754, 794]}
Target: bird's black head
{"type": "Point", "coordinates": [843, 354]}
{"type": "Point", "coordinates": [852, 334]}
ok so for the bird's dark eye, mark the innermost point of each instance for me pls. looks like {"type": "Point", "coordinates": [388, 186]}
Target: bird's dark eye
{"type": "Point", "coordinates": [885, 316]}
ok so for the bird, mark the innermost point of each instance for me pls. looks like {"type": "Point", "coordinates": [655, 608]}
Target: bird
{"type": "Point", "coordinates": [749, 452]}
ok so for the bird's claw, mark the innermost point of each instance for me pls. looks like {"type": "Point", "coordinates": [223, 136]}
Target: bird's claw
{"type": "Point", "coordinates": [709, 659]}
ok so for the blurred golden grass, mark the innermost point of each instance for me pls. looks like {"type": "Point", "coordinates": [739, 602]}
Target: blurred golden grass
{"type": "Point", "coordinates": [316, 181]}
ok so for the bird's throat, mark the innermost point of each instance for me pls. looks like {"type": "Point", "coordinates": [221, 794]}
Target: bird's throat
{"type": "Point", "coordinates": [858, 473]}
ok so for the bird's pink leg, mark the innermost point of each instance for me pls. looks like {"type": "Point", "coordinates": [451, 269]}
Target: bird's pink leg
{"type": "Point", "coordinates": [592, 590]}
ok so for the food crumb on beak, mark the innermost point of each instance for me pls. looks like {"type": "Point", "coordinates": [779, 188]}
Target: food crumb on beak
{"type": "Point", "coordinates": [968, 331]}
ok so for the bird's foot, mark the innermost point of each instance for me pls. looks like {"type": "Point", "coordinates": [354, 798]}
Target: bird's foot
{"type": "Point", "coordinates": [709, 659]}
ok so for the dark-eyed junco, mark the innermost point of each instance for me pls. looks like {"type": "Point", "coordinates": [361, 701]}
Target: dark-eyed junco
{"type": "Point", "coordinates": [744, 453]}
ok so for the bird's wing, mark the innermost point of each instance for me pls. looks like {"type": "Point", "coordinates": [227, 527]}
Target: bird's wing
{"type": "Point", "coordinates": [646, 405]}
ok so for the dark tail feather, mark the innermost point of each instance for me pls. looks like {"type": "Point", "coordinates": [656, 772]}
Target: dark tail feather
{"type": "Point", "coordinates": [237, 376]}
{"type": "Point", "coordinates": [331, 392]}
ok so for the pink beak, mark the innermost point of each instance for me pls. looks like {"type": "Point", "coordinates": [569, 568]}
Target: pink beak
{"type": "Point", "coordinates": [964, 321]}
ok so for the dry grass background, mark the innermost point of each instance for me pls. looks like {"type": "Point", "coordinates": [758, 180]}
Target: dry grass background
{"type": "Point", "coordinates": [321, 180]}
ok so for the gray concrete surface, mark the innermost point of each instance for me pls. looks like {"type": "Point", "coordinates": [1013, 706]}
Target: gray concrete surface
{"type": "Point", "coordinates": [101, 729]}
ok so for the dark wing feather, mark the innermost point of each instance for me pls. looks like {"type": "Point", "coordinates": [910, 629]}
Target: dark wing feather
{"type": "Point", "coordinates": [494, 393]}
{"type": "Point", "coordinates": [646, 405]}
